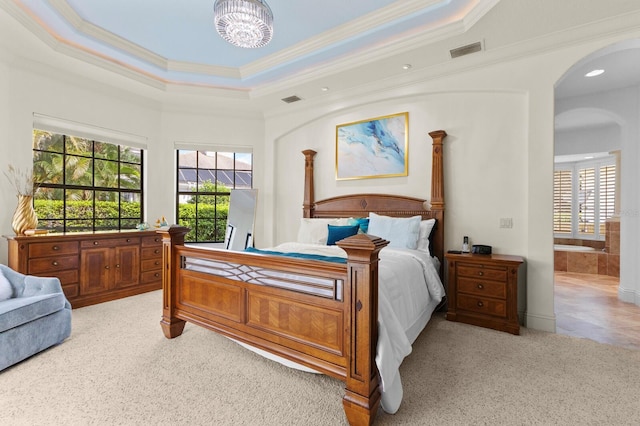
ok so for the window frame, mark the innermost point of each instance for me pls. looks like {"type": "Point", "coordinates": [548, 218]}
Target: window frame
{"type": "Point", "coordinates": [119, 190]}
{"type": "Point", "coordinates": [194, 235]}
{"type": "Point", "coordinates": [598, 221]}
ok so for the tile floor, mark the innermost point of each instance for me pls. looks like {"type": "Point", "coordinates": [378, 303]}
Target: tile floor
{"type": "Point", "coordinates": [587, 306]}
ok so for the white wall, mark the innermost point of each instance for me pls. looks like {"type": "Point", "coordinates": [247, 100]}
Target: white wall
{"type": "Point", "coordinates": [588, 140]}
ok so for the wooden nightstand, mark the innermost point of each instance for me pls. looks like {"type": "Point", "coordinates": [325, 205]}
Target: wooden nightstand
{"type": "Point", "coordinates": [483, 290]}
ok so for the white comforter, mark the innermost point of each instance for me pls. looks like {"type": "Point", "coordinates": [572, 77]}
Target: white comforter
{"type": "Point", "coordinates": [409, 289]}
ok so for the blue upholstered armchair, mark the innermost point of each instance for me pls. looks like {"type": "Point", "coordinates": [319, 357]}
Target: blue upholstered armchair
{"type": "Point", "coordinates": [35, 316]}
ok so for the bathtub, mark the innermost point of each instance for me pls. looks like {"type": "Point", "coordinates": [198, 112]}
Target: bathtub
{"type": "Point", "coordinates": [569, 247]}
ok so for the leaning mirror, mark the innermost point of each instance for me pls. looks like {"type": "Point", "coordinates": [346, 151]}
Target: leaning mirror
{"type": "Point", "coordinates": [241, 218]}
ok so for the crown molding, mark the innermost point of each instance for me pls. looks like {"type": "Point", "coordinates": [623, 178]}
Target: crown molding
{"type": "Point", "coordinates": [87, 28]}
{"type": "Point", "coordinates": [349, 30]}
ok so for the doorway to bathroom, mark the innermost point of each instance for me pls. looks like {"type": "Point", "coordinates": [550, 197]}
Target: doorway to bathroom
{"type": "Point", "coordinates": [596, 126]}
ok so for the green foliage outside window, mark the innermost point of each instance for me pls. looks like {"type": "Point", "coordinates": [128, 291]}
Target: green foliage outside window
{"type": "Point", "coordinates": [86, 185]}
{"type": "Point", "coordinates": [210, 210]}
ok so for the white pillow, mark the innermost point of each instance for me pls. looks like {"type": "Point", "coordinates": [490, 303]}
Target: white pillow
{"type": "Point", "coordinates": [6, 290]}
{"type": "Point", "coordinates": [426, 226]}
{"type": "Point", "coordinates": [316, 231]}
{"type": "Point", "coordinates": [401, 232]}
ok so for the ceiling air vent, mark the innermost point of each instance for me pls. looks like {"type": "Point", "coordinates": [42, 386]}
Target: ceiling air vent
{"type": "Point", "coordinates": [466, 50]}
{"type": "Point", "coordinates": [291, 99]}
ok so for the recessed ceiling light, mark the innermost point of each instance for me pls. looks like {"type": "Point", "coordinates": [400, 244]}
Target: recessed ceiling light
{"type": "Point", "coordinates": [406, 66]}
{"type": "Point", "coordinates": [588, 157]}
{"type": "Point", "coordinates": [594, 73]}
{"type": "Point", "coordinates": [325, 89]}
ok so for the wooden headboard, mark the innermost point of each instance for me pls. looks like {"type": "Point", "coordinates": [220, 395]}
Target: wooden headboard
{"type": "Point", "coordinates": [360, 205]}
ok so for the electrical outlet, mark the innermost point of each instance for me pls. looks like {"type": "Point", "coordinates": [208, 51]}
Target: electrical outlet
{"type": "Point", "coordinates": [506, 222]}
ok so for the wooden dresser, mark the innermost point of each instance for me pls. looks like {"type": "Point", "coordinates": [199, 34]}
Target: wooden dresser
{"type": "Point", "coordinates": [483, 290]}
{"type": "Point", "coordinates": [92, 267]}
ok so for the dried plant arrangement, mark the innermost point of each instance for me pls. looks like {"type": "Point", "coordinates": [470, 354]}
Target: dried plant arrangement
{"type": "Point", "coordinates": [22, 180]}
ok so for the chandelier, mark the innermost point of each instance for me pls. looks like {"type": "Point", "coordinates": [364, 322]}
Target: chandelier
{"type": "Point", "coordinates": [244, 23]}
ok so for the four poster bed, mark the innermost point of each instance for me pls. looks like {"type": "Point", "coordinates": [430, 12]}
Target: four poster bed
{"type": "Point", "coordinates": [320, 310]}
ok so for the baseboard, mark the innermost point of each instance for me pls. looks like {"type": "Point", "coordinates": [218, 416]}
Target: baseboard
{"type": "Point", "coordinates": [629, 295]}
{"type": "Point", "coordinates": [540, 322]}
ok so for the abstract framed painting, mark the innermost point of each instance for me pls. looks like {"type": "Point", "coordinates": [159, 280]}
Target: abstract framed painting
{"type": "Point", "coordinates": [373, 148]}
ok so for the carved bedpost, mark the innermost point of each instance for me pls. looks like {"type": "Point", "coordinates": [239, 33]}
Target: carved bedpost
{"type": "Point", "coordinates": [307, 206]}
{"type": "Point", "coordinates": [173, 236]}
{"type": "Point", "coordinates": [437, 181]}
{"type": "Point", "coordinates": [437, 194]}
{"type": "Point", "coordinates": [362, 396]}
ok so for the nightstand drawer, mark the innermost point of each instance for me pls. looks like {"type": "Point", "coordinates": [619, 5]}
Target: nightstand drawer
{"type": "Point", "coordinates": [482, 287]}
{"type": "Point", "coordinates": [482, 271]}
{"type": "Point", "coordinates": [482, 305]}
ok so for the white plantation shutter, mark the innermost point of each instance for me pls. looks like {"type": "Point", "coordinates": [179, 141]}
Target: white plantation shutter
{"type": "Point", "coordinates": [586, 200]}
{"type": "Point", "coordinates": [584, 196]}
{"type": "Point", "coordinates": [562, 201]}
{"type": "Point", "coordinates": [607, 194]}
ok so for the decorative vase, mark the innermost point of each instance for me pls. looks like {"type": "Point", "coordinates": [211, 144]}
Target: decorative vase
{"type": "Point", "coordinates": [25, 216]}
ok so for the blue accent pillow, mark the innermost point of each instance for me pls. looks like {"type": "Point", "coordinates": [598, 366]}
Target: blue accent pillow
{"type": "Point", "coordinates": [362, 222]}
{"type": "Point", "coordinates": [337, 233]}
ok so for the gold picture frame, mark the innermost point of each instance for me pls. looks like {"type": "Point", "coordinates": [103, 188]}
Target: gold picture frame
{"type": "Point", "coordinates": [373, 148]}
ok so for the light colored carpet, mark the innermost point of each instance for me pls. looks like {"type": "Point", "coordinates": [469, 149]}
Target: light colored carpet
{"type": "Point", "coordinates": [117, 368]}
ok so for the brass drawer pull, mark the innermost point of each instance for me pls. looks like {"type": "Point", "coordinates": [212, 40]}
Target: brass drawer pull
{"type": "Point", "coordinates": [480, 286]}
{"type": "Point", "coordinates": [157, 240]}
{"type": "Point", "coordinates": [95, 243]}
{"type": "Point", "coordinates": [54, 263]}
{"type": "Point", "coordinates": [480, 304]}
{"type": "Point", "coordinates": [157, 274]}
{"type": "Point", "coordinates": [480, 273]}
{"type": "Point", "coordinates": [107, 267]}
{"type": "Point", "coordinates": [128, 240]}
{"type": "Point", "coordinates": [156, 251]}
{"type": "Point", "coordinates": [157, 262]}
{"type": "Point", "coordinates": [55, 248]}
{"type": "Point", "coordinates": [118, 265]}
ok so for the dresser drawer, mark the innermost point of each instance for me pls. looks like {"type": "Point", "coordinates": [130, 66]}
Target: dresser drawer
{"type": "Point", "coordinates": [49, 265]}
{"type": "Point", "coordinates": [53, 249]}
{"type": "Point", "coordinates": [152, 252]}
{"type": "Point", "coordinates": [150, 276]}
{"type": "Point", "coordinates": [482, 305]}
{"type": "Point", "coordinates": [482, 287]}
{"type": "Point", "coordinates": [110, 242]}
{"type": "Point", "coordinates": [66, 277]}
{"type": "Point", "coordinates": [151, 264]}
{"type": "Point", "coordinates": [482, 271]}
{"type": "Point", "coordinates": [152, 241]}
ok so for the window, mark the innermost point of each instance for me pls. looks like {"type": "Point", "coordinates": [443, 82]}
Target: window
{"type": "Point", "coordinates": [204, 183]}
{"type": "Point", "coordinates": [583, 198]}
{"type": "Point", "coordinates": [86, 185]}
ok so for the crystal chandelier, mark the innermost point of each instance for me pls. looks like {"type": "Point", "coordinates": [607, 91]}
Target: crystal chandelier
{"type": "Point", "coordinates": [244, 23]}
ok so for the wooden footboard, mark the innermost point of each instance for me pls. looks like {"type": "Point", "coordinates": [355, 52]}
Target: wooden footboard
{"type": "Point", "coordinates": [323, 315]}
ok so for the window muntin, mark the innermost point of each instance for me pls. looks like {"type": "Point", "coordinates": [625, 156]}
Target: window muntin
{"type": "Point", "coordinates": [204, 183]}
{"type": "Point", "coordinates": [583, 198]}
{"type": "Point", "coordinates": [86, 185]}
